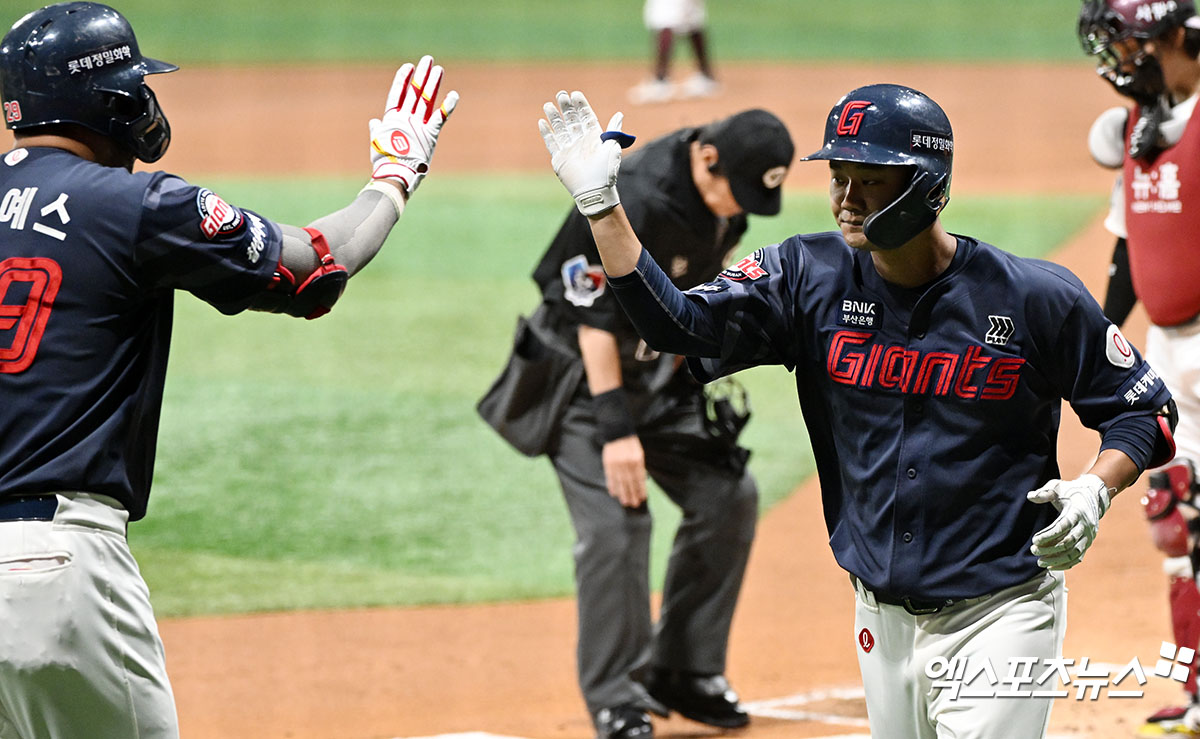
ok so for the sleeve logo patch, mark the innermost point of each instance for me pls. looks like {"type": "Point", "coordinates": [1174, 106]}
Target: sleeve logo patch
{"type": "Point", "coordinates": [218, 218]}
{"type": "Point", "coordinates": [583, 282]}
{"type": "Point", "coordinates": [1117, 349]}
{"type": "Point", "coordinates": [1148, 383]}
{"type": "Point", "coordinates": [258, 239]}
{"type": "Point", "coordinates": [749, 268]}
{"type": "Point", "coordinates": [716, 286]}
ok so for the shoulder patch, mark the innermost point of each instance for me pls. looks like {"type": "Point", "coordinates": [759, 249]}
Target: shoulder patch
{"type": "Point", "coordinates": [749, 268]}
{"type": "Point", "coordinates": [217, 218]}
{"type": "Point", "coordinates": [1117, 349]}
{"type": "Point", "coordinates": [15, 157]}
{"type": "Point", "coordinates": [582, 282]}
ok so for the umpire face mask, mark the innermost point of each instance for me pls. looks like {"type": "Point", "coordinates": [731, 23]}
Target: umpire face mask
{"type": "Point", "coordinates": [1133, 71]}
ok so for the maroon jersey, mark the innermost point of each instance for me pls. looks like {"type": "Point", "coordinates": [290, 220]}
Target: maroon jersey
{"type": "Point", "coordinates": [1164, 260]}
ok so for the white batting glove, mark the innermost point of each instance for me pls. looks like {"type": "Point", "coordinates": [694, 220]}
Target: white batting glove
{"type": "Point", "coordinates": [1081, 502]}
{"type": "Point", "coordinates": [402, 142]}
{"type": "Point", "coordinates": [585, 158]}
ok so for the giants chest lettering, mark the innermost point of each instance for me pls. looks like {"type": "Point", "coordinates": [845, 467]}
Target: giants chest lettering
{"type": "Point", "coordinates": [855, 358]}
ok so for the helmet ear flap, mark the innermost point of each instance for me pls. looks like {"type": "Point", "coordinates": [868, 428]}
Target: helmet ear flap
{"type": "Point", "coordinates": [148, 135]}
{"type": "Point", "coordinates": [911, 213]}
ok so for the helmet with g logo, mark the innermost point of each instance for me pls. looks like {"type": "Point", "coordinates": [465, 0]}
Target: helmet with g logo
{"type": "Point", "coordinates": [896, 126]}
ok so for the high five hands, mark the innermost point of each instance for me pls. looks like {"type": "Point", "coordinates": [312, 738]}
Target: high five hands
{"type": "Point", "coordinates": [403, 140]}
{"type": "Point", "coordinates": [585, 157]}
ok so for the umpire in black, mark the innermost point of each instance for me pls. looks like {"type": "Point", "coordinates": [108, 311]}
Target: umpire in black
{"type": "Point", "coordinates": [582, 388]}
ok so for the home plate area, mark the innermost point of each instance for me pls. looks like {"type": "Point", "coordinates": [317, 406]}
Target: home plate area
{"type": "Point", "coordinates": [840, 708]}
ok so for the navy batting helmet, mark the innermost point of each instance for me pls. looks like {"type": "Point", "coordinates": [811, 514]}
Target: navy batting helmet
{"type": "Point", "coordinates": [899, 126]}
{"type": "Point", "coordinates": [78, 62]}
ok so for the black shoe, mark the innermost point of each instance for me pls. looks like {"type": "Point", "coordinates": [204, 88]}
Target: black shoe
{"type": "Point", "coordinates": [704, 698]}
{"type": "Point", "coordinates": [623, 722]}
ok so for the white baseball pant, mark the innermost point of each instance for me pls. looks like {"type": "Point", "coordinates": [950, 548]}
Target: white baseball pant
{"type": "Point", "coordinates": [1175, 354]}
{"type": "Point", "coordinates": [80, 653]}
{"type": "Point", "coordinates": [1025, 621]}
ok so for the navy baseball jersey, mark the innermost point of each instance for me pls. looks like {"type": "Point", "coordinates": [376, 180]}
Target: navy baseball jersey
{"type": "Point", "coordinates": [932, 411]}
{"type": "Point", "coordinates": [89, 259]}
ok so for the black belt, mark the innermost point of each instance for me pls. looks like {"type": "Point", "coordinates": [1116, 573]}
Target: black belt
{"type": "Point", "coordinates": [915, 606]}
{"type": "Point", "coordinates": [912, 605]}
{"type": "Point", "coordinates": [29, 508]}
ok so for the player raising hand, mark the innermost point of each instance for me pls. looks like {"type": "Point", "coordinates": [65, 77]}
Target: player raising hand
{"type": "Point", "coordinates": [930, 368]}
{"type": "Point", "coordinates": [91, 256]}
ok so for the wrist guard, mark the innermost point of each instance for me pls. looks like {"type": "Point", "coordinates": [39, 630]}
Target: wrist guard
{"type": "Point", "coordinates": [312, 298]}
{"type": "Point", "coordinates": [614, 416]}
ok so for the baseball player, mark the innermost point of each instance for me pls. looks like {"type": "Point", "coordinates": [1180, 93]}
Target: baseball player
{"type": "Point", "coordinates": [582, 388]}
{"type": "Point", "coordinates": [1148, 52]}
{"type": "Point", "coordinates": [90, 256]}
{"type": "Point", "coordinates": [666, 20]}
{"type": "Point", "coordinates": [930, 368]}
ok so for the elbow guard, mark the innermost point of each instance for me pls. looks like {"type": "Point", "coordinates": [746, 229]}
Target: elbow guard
{"type": "Point", "coordinates": [312, 298]}
{"type": "Point", "coordinates": [1164, 445]}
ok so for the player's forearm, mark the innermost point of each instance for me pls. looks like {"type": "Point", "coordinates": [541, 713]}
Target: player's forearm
{"type": "Point", "coordinates": [618, 244]}
{"type": "Point", "coordinates": [1116, 469]}
{"type": "Point", "coordinates": [355, 235]}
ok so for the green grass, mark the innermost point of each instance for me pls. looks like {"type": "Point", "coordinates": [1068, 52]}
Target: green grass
{"type": "Point", "coordinates": [277, 31]}
{"type": "Point", "coordinates": [340, 462]}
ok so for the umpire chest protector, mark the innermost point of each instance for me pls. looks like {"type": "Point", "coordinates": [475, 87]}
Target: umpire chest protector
{"type": "Point", "coordinates": [1163, 260]}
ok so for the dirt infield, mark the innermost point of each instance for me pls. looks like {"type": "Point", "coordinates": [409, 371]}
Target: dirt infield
{"type": "Point", "coordinates": [508, 669]}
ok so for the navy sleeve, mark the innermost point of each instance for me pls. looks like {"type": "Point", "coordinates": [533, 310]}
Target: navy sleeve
{"type": "Point", "coordinates": [663, 317]}
{"type": "Point", "coordinates": [741, 319]}
{"type": "Point", "coordinates": [1105, 379]}
{"type": "Point", "coordinates": [191, 239]}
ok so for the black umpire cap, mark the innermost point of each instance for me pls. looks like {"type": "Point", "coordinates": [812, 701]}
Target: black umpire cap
{"type": "Point", "coordinates": [754, 152]}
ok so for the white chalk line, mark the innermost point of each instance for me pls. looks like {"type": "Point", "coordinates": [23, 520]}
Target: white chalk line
{"type": "Point", "coordinates": [789, 708]}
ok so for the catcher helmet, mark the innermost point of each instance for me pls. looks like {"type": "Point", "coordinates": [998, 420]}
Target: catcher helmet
{"type": "Point", "coordinates": [78, 62]}
{"type": "Point", "coordinates": [897, 126]}
{"type": "Point", "coordinates": [1105, 24]}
